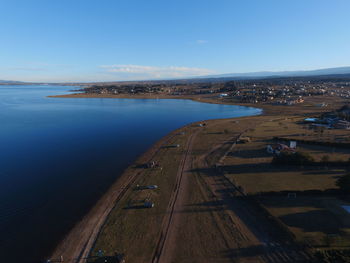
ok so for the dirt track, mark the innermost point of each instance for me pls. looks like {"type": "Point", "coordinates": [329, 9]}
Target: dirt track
{"type": "Point", "coordinates": [252, 238]}
{"type": "Point", "coordinates": [170, 224]}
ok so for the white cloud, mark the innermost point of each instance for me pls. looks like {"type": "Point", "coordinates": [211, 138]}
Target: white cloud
{"type": "Point", "coordinates": [201, 41]}
{"type": "Point", "coordinates": [139, 71]}
{"type": "Point", "coordinates": [28, 68]}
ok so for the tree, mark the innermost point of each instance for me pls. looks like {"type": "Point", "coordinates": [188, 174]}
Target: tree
{"type": "Point", "coordinates": [325, 159]}
{"type": "Point", "coordinates": [344, 183]}
{"type": "Point", "coordinates": [298, 158]}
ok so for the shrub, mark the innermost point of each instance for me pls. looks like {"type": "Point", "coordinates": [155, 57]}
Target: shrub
{"type": "Point", "coordinates": [344, 183]}
{"type": "Point", "coordinates": [325, 159]}
{"type": "Point", "coordinates": [297, 158]}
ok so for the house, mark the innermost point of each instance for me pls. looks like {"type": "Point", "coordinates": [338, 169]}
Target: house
{"type": "Point", "coordinates": [293, 144]}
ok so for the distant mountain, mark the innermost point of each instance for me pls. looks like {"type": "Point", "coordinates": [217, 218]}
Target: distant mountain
{"type": "Point", "coordinates": [267, 74]}
{"type": "Point", "coordinates": [10, 82]}
{"type": "Point", "coordinates": [340, 72]}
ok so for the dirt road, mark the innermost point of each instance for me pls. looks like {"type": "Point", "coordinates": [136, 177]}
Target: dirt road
{"type": "Point", "coordinates": [255, 238]}
{"type": "Point", "coordinates": [167, 239]}
{"type": "Point", "coordinates": [251, 236]}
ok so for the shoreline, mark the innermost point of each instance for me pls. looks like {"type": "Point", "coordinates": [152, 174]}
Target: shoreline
{"type": "Point", "coordinates": [79, 240]}
{"type": "Point", "coordinates": [202, 99]}
{"type": "Point", "coordinates": [308, 107]}
{"type": "Point", "coordinates": [101, 209]}
{"type": "Point", "coordinates": [82, 237]}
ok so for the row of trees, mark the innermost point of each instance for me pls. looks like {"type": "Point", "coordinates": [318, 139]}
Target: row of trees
{"type": "Point", "coordinates": [290, 158]}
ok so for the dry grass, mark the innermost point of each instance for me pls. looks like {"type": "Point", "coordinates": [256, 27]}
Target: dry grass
{"type": "Point", "coordinates": [276, 181]}
{"type": "Point", "coordinates": [315, 220]}
{"type": "Point", "coordinates": [312, 219]}
{"type": "Point", "coordinates": [249, 165]}
{"type": "Point", "coordinates": [134, 230]}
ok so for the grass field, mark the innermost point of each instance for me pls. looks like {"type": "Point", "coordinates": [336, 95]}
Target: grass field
{"type": "Point", "coordinates": [132, 229]}
{"type": "Point", "coordinates": [318, 221]}
{"type": "Point", "coordinates": [315, 216]}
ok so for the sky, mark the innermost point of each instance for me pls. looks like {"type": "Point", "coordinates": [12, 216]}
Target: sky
{"type": "Point", "coordinates": [100, 40]}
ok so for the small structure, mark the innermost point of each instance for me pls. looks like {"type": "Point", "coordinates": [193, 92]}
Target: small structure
{"type": "Point", "coordinates": [243, 140]}
{"type": "Point", "coordinates": [278, 148]}
{"type": "Point", "coordinates": [172, 146]}
{"type": "Point", "coordinates": [148, 204]}
{"type": "Point", "coordinates": [140, 204]}
{"type": "Point", "coordinates": [323, 104]}
{"type": "Point", "coordinates": [152, 186]}
{"type": "Point", "coordinates": [145, 187]}
{"type": "Point", "coordinates": [293, 144]}
{"type": "Point", "coordinates": [117, 258]}
{"type": "Point", "coordinates": [152, 164]}
{"type": "Point", "coordinates": [311, 120]}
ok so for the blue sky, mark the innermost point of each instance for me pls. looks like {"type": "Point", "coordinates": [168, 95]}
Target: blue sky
{"type": "Point", "coordinates": [74, 40]}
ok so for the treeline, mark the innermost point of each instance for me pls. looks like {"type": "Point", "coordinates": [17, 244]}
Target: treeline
{"type": "Point", "coordinates": [302, 158]}
{"type": "Point", "coordinates": [344, 112]}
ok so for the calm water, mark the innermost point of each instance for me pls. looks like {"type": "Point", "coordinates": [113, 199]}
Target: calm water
{"type": "Point", "coordinates": [57, 156]}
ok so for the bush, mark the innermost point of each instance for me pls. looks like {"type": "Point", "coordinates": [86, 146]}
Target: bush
{"type": "Point", "coordinates": [297, 158]}
{"type": "Point", "coordinates": [344, 183]}
{"type": "Point", "coordinates": [325, 159]}
{"type": "Point", "coordinates": [332, 255]}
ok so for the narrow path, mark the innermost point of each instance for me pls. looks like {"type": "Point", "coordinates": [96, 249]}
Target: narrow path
{"type": "Point", "coordinates": [167, 239]}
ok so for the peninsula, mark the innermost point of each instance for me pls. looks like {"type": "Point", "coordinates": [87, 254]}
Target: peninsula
{"type": "Point", "coordinates": [265, 188]}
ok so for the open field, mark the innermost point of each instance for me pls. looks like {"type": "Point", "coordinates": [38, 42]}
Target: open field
{"type": "Point", "coordinates": [314, 215]}
{"type": "Point", "coordinates": [317, 221]}
{"type": "Point", "coordinates": [249, 165]}
{"type": "Point", "coordinates": [236, 236]}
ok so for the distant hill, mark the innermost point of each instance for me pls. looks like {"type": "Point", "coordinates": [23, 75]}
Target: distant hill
{"type": "Point", "coordinates": [267, 74]}
{"type": "Point", "coordinates": [11, 82]}
{"type": "Point", "coordinates": [328, 73]}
